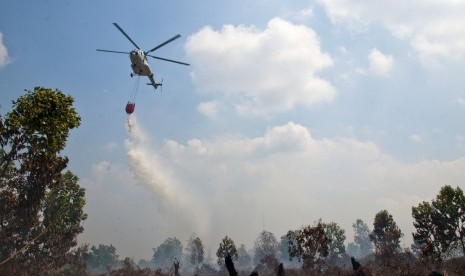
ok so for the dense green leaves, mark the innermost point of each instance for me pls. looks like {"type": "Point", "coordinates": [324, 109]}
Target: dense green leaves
{"type": "Point", "coordinates": [440, 226]}
{"type": "Point", "coordinates": [43, 118]}
{"type": "Point", "coordinates": [41, 207]}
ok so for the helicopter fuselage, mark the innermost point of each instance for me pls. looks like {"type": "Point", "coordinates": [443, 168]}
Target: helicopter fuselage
{"type": "Point", "coordinates": [139, 64]}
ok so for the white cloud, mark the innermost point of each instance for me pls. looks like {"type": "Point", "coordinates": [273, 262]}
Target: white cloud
{"type": "Point", "coordinates": [461, 101]}
{"type": "Point", "coordinates": [260, 72]}
{"type": "Point", "coordinates": [434, 28]}
{"type": "Point", "coordinates": [460, 141]}
{"type": "Point", "coordinates": [416, 138]}
{"type": "Point", "coordinates": [380, 63]}
{"type": "Point", "coordinates": [111, 146]}
{"type": "Point", "coordinates": [4, 59]}
{"type": "Point", "coordinates": [209, 109]}
{"type": "Point", "coordinates": [303, 15]}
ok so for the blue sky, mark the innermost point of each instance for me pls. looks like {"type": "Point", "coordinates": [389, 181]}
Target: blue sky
{"type": "Point", "coordinates": [291, 111]}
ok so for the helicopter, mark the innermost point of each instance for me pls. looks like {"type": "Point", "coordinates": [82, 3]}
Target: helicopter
{"type": "Point", "coordinates": [139, 63]}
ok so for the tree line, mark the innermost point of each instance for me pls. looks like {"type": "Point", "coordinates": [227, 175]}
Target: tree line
{"type": "Point", "coordinates": [42, 210]}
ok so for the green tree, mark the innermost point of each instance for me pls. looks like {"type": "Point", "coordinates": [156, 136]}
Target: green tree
{"type": "Point", "coordinates": [310, 247]}
{"type": "Point", "coordinates": [227, 247]}
{"type": "Point", "coordinates": [362, 238]}
{"type": "Point", "coordinates": [265, 245]}
{"type": "Point", "coordinates": [427, 237]}
{"type": "Point", "coordinates": [102, 257]}
{"type": "Point", "coordinates": [196, 251]}
{"type": "Point", "coordinates": [335, 237]}
{"type": "Point", "coordinates": [167, 252]}
{"type": "Point", "coordinates": [450, 206]}
{"type": "Point", "coordinates": [385, 236]}
{"type": "Point", "coordinates": [440, 226]}
{"type": "Point", "coordinates": [38, 232]}
{"type": "Point", "coordinates": [62, 218]}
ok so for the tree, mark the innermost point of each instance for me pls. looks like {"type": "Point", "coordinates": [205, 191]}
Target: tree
{"type": "Point", "coordinates": [310, 246]}
{"type": "Point", "coordinates": [102, 257]}
{"type": "Point", "coordinates": [426, 237]}
{"type": "Point", "coordinates": [362, 238]}
{"type": "Point", "coordinates": [335, 238]}
{"type": "Point", "coordinates": [196, 251]}
{"type": "Point", "coordinates": [227, 247]}
{"type": "Point", "coordinates": [62, 217]}
{"type": "Point", "coordinates": [265, 245]}
{"type": "Point", "coordinates": [41, 208]}
{"type": "Point", "coordinates": [450, 206]}
{"type": "Point", "coordinates": [166, 253]}
{"type": "Point", "coordinates": [440, 226]}
{"type": "Point", "coordinates": [243, 258]}
{"type": "Point", "coordinates": [385, 236]}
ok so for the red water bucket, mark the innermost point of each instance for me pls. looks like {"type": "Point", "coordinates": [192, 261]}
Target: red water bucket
{"type": "Point", "coordinates": [130, 107]}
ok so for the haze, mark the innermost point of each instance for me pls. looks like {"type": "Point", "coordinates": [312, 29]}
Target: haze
{"type": "Point", "coordinates": [290, 112]}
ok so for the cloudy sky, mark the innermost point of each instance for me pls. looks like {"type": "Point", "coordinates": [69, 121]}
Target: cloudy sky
{"type": "Point", "coordinates": [291, 111]}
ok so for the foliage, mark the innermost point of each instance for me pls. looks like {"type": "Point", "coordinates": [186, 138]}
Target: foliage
{"type": "Point", "coordinates": [41, 208]}
{"type": "Point", "coordinates": [385, 236]}
{"type": "Point", "coordinates": [310, 246]}
{"type": "Point", "coordinates": [335, 237]}
{"type": "Point", "coordinates": [227, 247]}
{"type": "Point", "coordinates": [450, 205]}
{"type": "Point", "coordinates": [440, 226]}
{"type": "Point", "coordinates": [166, 253]}
{"type": "Point", "coordinates": [102, 257]}
{"type": "Point", "coordinates": [266, 244]}
{"type": "Point", "coordinates": [362, 238]}
{"type": "Point", "coordinates": [196, 251]}
{"type": "Point", "coordinates": [427, 234]}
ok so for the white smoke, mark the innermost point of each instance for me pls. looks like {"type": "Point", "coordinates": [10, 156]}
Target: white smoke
{"type": "Point", "coordinates": [4, 58]}
{"type": "Point", "coordinates": [147, 167]}
{"type": "Point", "coordinates": [174, 205]}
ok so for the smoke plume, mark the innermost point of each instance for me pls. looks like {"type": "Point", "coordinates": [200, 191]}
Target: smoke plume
{"type": "Point", "coordinates": [175, 208]}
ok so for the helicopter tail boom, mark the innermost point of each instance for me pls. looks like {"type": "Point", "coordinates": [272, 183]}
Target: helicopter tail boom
{"type": "Point", "coordinates": [153, 82]}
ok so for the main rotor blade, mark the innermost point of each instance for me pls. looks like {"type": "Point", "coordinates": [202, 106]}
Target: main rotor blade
{"type": "Point", "coordinates": [121, 30]}
{"type": "Point", "coordinates": [170, 60]}
{"type": "Point", "coordinates": [109, 51]}
{"type": "Point", "coordinates": [164, 43]}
